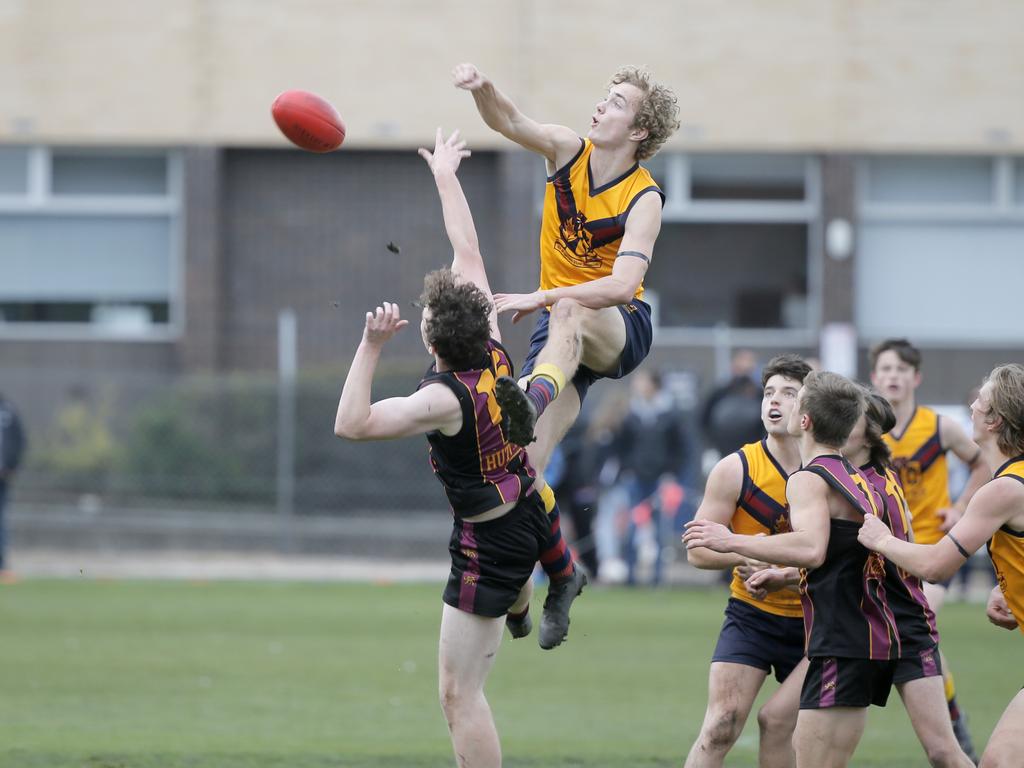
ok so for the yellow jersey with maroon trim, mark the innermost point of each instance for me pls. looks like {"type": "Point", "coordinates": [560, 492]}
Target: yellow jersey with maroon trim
{"type": "Point", "coordinates": [761, 508]}
{"type": "Point", "coordinates": [1006, 548]}
{"type": "Point", "coordinates": [920, 460]}
{"type": "Point", "coordinates": [582, 225]}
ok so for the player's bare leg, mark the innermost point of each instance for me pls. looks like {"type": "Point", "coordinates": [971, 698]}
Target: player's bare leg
{"type": "Point", "coordinates": [827, 738]}
{"type": "Point", "coordinates": [1006, 744]}
{"type": "Point", "coordinates": [732, 689]}
{"type": "Point", "coordinates": [925, 702]}
{"type": "Point", "coordinates": [776, 721]}
{"type": "Point", "coordinates": [576, 334]}
{"type": "Point", "coordinates": [466, 654]}
{"type": "Point", "coordinates": [935, 594]}
{"type": "Point", "coordinates": [518, 618]}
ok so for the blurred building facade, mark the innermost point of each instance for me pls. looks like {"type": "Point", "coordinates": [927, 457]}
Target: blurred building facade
{"type": "Point", "coordinates": [841, 165]}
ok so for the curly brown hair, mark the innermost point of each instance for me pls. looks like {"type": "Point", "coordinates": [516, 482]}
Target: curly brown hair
{"type": "Point", "coordinates": [657, 112]}
{"type": "Point", "coordinates": [459, 326]}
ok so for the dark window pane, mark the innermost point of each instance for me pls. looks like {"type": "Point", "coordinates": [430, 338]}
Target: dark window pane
{"type": "Point", "coordinates": [745, 275]}
{"type": "Point", "coordinates": [142, 312]}
{"type": "Point", "coordinates": [747, 177]}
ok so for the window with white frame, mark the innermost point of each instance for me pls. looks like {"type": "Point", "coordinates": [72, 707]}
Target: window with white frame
{"type": "Point", "coordinates": [939, 248]}
{"type": "Point", "coordinates": [735, 245]}
{"type": "Point", "coordinates": [89, 242]}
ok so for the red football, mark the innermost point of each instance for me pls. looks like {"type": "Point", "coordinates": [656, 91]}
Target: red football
{"type": "Point", "coordinates": [308, 121]}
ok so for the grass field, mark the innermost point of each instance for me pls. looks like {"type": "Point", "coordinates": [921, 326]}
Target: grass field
{"type": "Point", "coordinates": [254, 675]}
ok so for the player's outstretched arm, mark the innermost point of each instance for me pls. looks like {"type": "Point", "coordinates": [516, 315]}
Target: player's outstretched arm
{"type": "Point", "coordinates": [719, 505]}
{"type": "Point", "coordinates": [433, 407]}
{"type": "Point", "coordinates": [467, 262]}
{"type": "Point", "coordinates": [991, 507]}
{"type": "Point", "coordinates": [556, 143]}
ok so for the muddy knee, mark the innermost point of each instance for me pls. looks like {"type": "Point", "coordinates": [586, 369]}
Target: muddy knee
{"type": "Point", "coordinates": [722, 730]}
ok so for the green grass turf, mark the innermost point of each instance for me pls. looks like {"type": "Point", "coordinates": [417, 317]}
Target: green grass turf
{"type": "Point", "coordinates": [254, 675]}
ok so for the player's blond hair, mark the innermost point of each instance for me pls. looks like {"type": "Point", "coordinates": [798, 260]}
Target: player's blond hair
{"type": "Point", "coordinates": [657, 112]}
{"type": "Point", "coordinates": [1007, 402]}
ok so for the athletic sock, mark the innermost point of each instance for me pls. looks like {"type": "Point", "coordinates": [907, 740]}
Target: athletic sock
{"type": "Point", "coordinates": [555, 559]}
{"type": "Point", "coordinates": [518, 616]}
{"type": "Point", "coordinates": [544, 384]}
{"type": "Point", "coordinates": [950, 685]}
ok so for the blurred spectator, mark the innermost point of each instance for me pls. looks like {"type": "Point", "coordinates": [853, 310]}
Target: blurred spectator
{"type": "Point", "coordinates": [612, 501]}
{"type": "Point", "coordinates": [573, 472]}
{"type": "Point", "coordinates": [652, 449]}
{"type": "Point", "coordinates": [732, 413]}
{"type": "Point", "coordinates": [12, 448]}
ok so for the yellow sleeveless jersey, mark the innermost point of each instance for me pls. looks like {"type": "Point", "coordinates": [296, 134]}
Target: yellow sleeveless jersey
{"type": "Point", "coordinates": [918, 457]}
{"type": "Point", "coordinates": [761, 508]}
{"type": "Point", "coordinates": [583, 225]}
{"type": "Point", "coordinates": [1006, 548]}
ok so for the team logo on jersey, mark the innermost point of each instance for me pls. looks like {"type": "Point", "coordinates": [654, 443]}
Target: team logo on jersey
{"type": "Point", "coordinates": [575, 242]}
{"type": "Point", "coordinates": [910, 472]}
{"type": "Point", "coordinates": [874, 567]}
{"type": "Point", "coordinates": [781, 525]}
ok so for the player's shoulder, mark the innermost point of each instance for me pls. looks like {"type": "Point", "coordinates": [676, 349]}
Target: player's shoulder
{"type": "Point", "coordinates": [727, 474]}
{"type": "Point", "coordinates": [807, 479]}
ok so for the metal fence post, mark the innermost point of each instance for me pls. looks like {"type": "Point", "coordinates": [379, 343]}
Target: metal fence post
{"type": "Point", "coordinates": [287, 338]}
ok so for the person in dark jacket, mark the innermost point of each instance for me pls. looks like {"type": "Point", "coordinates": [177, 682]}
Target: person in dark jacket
{"type": "Point", "coordinates": [12, 448]}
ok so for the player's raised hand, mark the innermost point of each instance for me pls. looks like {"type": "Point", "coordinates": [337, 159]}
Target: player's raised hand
{"type": "Point", "coordinates": [520, 303]}
{"type": "Point", "coordinates": [707, 533]}
{"type": "Point", "coordinates": [998, 611]}
{"type": "Point", "coordinates": [383, 323]}
{"type": "Point", "coordinates": [873, 533]}
{"type": "Point", "coordinates": [447, 154]}
{"type": "Point", "coordinates": [468, 77]}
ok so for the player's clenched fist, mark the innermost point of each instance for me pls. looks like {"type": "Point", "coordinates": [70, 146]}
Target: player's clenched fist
{"type": "Point", "coordinates": [468, 77]}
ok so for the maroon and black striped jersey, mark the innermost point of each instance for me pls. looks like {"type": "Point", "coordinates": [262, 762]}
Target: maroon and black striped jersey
{"type": "Point", "coordinates": [478, 467]}
{"type": "Point", "coordinates": [914, 617]}
{"type": "Point", "coordinates": [846, 611]}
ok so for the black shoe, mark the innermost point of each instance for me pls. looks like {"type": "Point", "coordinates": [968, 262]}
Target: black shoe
{"type": "Point", "coordinates": [520, 627]}
{"type": "Point", "coordinates": [517, 409]}
{"type": "Point", "coordinates": [554, 622]}
{"type": "Point", "coordinates": [963, 736]}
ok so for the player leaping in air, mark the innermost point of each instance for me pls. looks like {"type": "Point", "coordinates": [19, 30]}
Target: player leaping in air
{"type": "Point", "coordinates": [602, 215]}
{"type": "Point", "coordinates": [500, 520]}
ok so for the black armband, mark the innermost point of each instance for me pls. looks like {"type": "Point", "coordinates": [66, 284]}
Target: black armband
{"type": "Point", "coordinates": [959, 546]}
{"type": "Point", "coordinates": [633, 253]}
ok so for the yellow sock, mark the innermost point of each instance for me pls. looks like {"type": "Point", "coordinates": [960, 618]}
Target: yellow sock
{"type": "Point", "coordinates": [950, 685]}
{"type": "Point", "coordinates": [548, 497]}
{"type": "Point", "coordinates": [553, 373]}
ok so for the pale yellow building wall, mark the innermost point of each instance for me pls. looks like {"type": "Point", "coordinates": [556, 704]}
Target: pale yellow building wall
{"type": "Point", "coordinates": [943, 75]}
